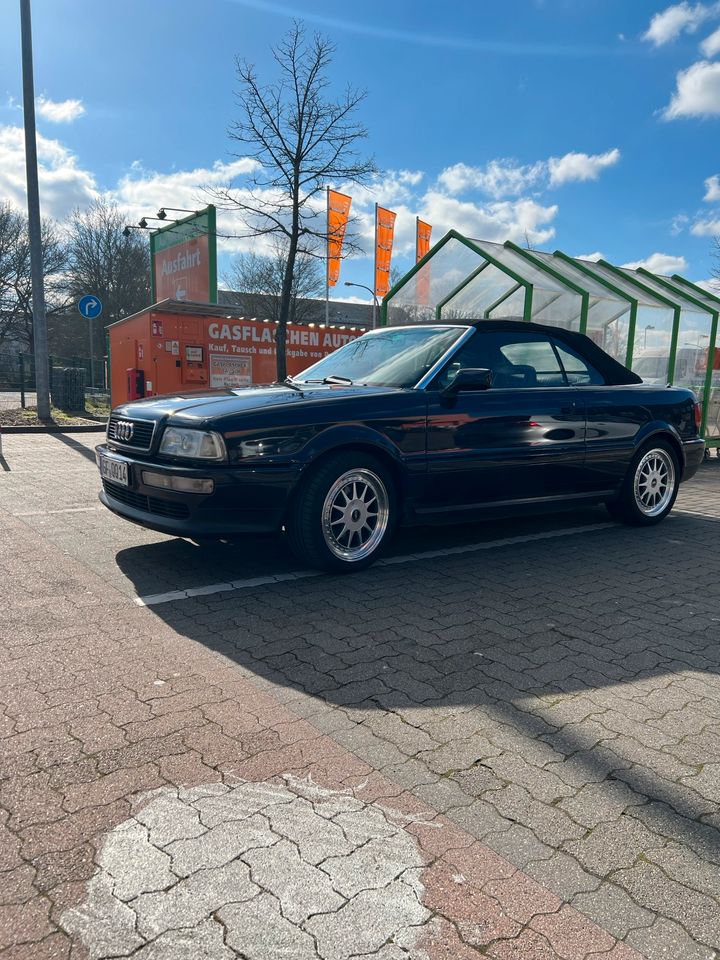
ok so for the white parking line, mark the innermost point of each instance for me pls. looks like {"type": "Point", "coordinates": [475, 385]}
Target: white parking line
{"type": "Point", "coordinates": [156, 598]}
{"type": "Point", "coordinates": [42, 513]}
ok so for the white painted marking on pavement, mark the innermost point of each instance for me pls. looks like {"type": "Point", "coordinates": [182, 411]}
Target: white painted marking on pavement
{"type": "Point", "coordinates": [156, 598]}
{"type": "Point", "coordinates": [42, 513]}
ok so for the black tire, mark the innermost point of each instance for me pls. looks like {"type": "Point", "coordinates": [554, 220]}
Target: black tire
{"type": "Point", "coordinates": [311, 530]}
{"type": "Point", "coordinates": [650, 487]}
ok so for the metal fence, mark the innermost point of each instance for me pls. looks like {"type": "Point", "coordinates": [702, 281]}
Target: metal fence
{"type": "Point", "coordinates": [17, 378]}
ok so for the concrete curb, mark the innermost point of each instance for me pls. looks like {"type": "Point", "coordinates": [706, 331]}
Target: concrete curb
{"type": "Point", "coordinates": [78, 428]}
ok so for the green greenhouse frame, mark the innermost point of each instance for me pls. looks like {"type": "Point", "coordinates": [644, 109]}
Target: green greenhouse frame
{"type": "Point", "coordinates": [663, 328]}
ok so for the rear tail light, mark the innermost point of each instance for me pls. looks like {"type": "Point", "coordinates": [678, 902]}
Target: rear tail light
{"type": "Point", "coordinates": [698, 415]}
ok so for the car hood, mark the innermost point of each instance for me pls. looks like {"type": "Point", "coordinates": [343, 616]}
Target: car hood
{"type": "Point", "coordinates": [201, 406]}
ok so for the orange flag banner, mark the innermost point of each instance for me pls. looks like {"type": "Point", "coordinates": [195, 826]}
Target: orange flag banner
{"type": "Point", "coordinates": [384, 233]}
{"type": "Point", "coordinates": [423, 232]}
{"type": "Point", "coordinates": [422, 239]}
{"type": "Point", "coordinates": [338, 212]}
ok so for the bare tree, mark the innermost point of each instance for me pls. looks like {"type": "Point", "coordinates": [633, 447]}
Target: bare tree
{"type": "Point", "coordinates": [715, 271]}
{"type": "Point", "coordinates": [258, 279]}
{"type": "Point", "coordinates": [303, 139]}
{"type": "Point", "coordinates": [105, 262]}
{"type": "Point", "coordinates": [16, 317]}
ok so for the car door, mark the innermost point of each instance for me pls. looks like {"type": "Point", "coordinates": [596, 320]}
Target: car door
{"type": "Point", "coordinates": [521, 440]}
{"type": "Point", "coordinates": [613, 415]}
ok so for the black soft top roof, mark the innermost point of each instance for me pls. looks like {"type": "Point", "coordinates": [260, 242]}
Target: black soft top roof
{"type": "Point", "coordinates": [613, 372]}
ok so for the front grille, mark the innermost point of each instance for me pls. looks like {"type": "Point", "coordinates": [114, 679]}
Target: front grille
{"type": "Point", "coordinates": [142, 432]}
{"type": "Point", "coordinates": [163, 508]}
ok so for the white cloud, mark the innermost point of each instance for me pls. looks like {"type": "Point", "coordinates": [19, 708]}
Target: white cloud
{"type": "Point", "coordinates": [499, 178]}
{"type": "Point", "coordinates": [580, 166]}
{"type": "Point", "coordinates": [710, 46]}
{"type": "Point", "coordinates": [499, 221]}
{"type": "Point", "coordinates": [706, 228]}
{"type": "Point", "coordinates": [507, 178]}
{"type": "Point", "coordinates": [712, 189]}
{"type": "Point", "coordinates": [63, 183]}
{"type": "Point", "coordinates": [697, 93]}
{"type": "Point", "coordinates": [679, 222]}
{"type": "Point", "coordinates": [679, 18]}
{"type": "Point", "coordinates": [663, 263]}
{"type": "Point", "coordinates": [593, 257]}
{"type": "Point", "coordinates": [62, 111]}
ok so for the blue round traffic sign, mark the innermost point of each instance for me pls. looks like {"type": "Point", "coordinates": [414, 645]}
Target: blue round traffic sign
{"type": "Point", "coordinates": [90, 306]}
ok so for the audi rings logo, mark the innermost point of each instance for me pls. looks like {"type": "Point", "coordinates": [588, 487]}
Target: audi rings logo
{"type": "Point", "coordinates": [123, 430]}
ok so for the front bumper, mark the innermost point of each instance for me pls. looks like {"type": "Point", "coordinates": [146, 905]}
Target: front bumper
{"type": "Point", "coordinates": [246, 499]}
{"type": "Point", "coordinates": [694, 451]}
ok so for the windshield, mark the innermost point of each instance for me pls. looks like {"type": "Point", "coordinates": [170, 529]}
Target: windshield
{"type": "Point", "coordinates": [385, 358]}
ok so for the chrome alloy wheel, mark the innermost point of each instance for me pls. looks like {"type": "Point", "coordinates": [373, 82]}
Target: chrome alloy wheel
{"type": "Point", "coordinates": [355, 515]}
{"type": "Point", "coordinates": [654, 482]}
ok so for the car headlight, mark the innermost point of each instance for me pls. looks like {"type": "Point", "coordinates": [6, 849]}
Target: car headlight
{"type": "Point", "coordinates": [196, 444]}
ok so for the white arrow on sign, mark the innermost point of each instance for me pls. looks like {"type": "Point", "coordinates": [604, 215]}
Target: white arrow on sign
{"type": "Point", "coordinates": [91, 306]}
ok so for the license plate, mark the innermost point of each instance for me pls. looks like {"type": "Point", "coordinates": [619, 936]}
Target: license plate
{"type": "Point", "coordinates": [114, 470]}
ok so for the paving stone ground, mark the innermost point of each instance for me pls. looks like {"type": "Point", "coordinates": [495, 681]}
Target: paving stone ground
{"type": "Point", "coordinates": [509, 753]}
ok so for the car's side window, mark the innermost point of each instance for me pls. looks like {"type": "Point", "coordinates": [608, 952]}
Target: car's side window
{"type": "Point", "coordinates": [517, 360]}
{"type": "Point", "coordinates": [538, 359]}
{"type": "Point", "coordinates": [578, 371]}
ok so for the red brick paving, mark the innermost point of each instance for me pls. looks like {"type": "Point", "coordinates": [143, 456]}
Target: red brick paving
{"type": "Point", "coordinates": [75, 755]}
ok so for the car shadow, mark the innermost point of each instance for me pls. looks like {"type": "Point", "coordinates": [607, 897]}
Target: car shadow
{"type": "Point", "coordinates": [530, 638]}
{"type": "Point", "coordinates": [76, 445]}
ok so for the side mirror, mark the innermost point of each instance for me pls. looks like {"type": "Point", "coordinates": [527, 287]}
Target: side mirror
{"type": "Point", "coordinates": [469, 378]}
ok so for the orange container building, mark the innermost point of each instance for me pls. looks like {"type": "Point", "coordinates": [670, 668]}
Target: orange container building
{"type": "Point", "coordinates": [177, 345]}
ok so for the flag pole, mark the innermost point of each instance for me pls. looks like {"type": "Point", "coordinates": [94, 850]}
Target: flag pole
{"type": "Point", "coordinates": [417, 239]}
{"type": "Point", "coordinates": [374, 279]}
{"type": "Point", "coordinates": [327, 257]}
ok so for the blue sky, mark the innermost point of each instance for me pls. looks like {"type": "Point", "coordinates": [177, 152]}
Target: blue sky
{"type": "Point", "coordinates": [589, 125]}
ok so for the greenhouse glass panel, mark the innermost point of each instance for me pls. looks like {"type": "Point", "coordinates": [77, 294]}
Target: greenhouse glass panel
{"type": "Point", "coordinates": [416, 300]}
{"type": "Point", "coordinates": [608, 322]}
{"type": "Point", "coordinates": [487, 288]}
{"type": "Point", "coordinates": [653, 326]}
{"type": "Point", "coordinates": [553, 302]}
{"type": "Point", "coordinates": [694, 332]}
{"type": "Point", "coordinates": [699, 351]}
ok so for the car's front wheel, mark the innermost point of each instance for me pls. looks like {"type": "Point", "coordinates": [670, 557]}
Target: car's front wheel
{"type": "Point", "coordinates": [343, 513]}
{"type": "Point", "coordinates": [650, 487]}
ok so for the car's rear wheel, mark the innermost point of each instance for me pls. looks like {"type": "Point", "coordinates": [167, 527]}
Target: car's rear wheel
{"type": "Point", "coordinates": [343, 513]}
{"type": "Point", "coordinates": [650, 487]}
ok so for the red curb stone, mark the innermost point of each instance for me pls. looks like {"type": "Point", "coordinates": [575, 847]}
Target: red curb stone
{"type": "Point", "coordinates": [71, 830]}
{"type": "Point", "coordinates": [213, 746]}
{"type": "Point", "coordinates": [437, 838]}
{"type": "Point", "coordinates": [98, 733]}
{"type": "Point", "coordinates": [528, 946]}
{"type": "Point", "coordinates": [571, 934]}
{"type": "Point", "coordinates": [54, 947]}
{"type": "Point", "coordinates": [9, 850]}
{"type": "Point", "coordinates": [441, 942]}
{"type": "Point", "coordinates": [16, 886]}
{"type": "Point", "coordinates": [162, 726]}
{"type": "Point", "coordinates": [65, 895]}
{"type": "Point", "coordinates": [24, 923]}
{"type": "Point", "coordinates": [522, 898]}
{"type": "Point", "coordinates": [186, 769]}
{"type": "Point", "coordinates": [112, 787]}
{"type": "Point", "coordinates": [619, 952]}
{"type": "Point", "coordinates": [76, 864]}
{"type": "Point", "coordinates": [479, 918]}
{"type": "Point", "coordinates": [478, 863]}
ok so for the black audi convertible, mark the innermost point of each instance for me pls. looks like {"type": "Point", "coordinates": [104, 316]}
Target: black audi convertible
{"type": "Point", "coordinates": [405, 425]}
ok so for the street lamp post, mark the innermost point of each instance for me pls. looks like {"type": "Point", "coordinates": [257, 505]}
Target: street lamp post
{"type": "Point", "coordinates": [362, 286]}
{"type": "Point", "coordinates": [42, 372]}
{"type": "Point", "coordinates": [648, 327]}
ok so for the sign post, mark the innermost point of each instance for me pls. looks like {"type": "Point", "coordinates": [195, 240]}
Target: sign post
{"type": "Point", "coordinates": [90, 307]}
